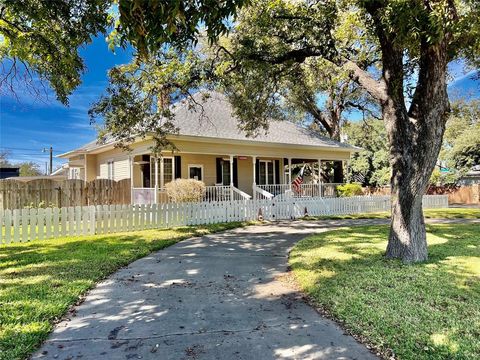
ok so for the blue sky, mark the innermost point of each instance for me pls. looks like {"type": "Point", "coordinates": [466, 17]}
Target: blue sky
{"type": "Point", "coordinates": [28, 125]}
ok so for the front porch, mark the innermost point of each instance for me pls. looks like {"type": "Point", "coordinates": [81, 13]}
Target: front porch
{"type": "Point", "coordinates": [227, 177]}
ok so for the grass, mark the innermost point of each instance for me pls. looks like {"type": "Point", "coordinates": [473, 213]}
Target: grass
{"type": "Point", "coordinates": [450, 213]}
{"type": "Point", "coordinates": [423, 311]}
{"type": "Point", "coordinates": [40, 280]}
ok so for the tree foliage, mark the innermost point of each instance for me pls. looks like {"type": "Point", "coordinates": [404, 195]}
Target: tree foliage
{"type": "Point", "coordinates": [43, 38]}
{"type": "Point", "coordinates": [141, 98]}
{"type": "Point", "coordinates": [461, 147]}
{"type": "Point", "coordinates": [370, 166]}
{"type": "Point", "coordinates": [150, 25]}
{"type": "Point", "coordinates": [4, 159]}
{"type": "Point", "coordinates": [29, 168]}
{"type": "Point", "coordinates": [412, 43]}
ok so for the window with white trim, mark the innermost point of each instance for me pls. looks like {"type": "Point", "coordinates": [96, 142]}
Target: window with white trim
{"type": "Point", "coordinates": [166, 171]}
{"type": "Point", "coordinates": [195, 172]}
{"type": "Point", "coordinates": [266, 174]}
{"type": "Point", "coordinates": [74, 173]}
{"type": "Point", "coordinates": [110, 170]}
{"type": "Point", "coordinates": [226, 172]}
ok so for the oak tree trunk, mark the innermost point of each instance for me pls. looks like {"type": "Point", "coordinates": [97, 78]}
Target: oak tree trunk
{"type": "Point", "coordinates": [415, 139]}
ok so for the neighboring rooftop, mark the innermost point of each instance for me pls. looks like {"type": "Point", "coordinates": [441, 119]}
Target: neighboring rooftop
{"type": "Point", "coordinates": [214, 118]}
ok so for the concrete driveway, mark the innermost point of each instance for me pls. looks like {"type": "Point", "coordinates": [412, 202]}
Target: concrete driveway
{"type": "Point", "coordinates": [214, 297]}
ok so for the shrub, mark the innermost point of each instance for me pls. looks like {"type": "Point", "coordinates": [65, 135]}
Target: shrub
{"type": "Point", "coordinates": [185, 190]}
{"type": "Point", "coordinates": [347, 190]}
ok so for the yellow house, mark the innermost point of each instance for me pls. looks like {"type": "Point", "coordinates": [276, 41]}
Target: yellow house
{"type": "Point", "coordinates": [212, 149]}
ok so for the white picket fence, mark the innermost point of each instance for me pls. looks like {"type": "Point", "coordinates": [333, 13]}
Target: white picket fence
{"type": "Point", "coordinates": [37, 224]}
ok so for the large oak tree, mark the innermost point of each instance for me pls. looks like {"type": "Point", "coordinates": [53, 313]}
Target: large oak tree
{"type": "Point", "coordinates": [415, 41]}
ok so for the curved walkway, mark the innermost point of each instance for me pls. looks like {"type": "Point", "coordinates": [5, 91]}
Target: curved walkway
{"type": "Point", "coordinates": [214, 297]}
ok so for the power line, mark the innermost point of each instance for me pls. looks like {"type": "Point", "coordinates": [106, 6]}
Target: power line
{"type": "Point", "coordinates": [28, 149]}
{"type": "Point", "coordinates": [30, 154]}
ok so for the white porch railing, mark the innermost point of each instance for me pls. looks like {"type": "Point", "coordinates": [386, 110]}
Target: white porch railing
{"type": "Point", "coordinates": [275, 190]}
{"type": "Point", "coordinates": [260, 193]}
{"type": "Point", "coordinates": [142, 196]}
{"type": "Point", "coordinates": [226, 193]}
{"type": "Point", "coordinates": [329, 189]}
{"type": "Point", "coordinates": [304, 190]}
{"type": "Point", "coordinates": [145, 196]}
{"type": "Point", "coordinates": [218, 193]}
{"type": "Point", "coordinates": [239, 194]}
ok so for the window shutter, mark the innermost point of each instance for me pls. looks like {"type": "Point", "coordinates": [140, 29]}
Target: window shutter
{"type": "Point", "coordinates": [277, 172]}
{"type": "Point", "coordinates": [178, 167]}
{"type": "Point", "coordinates": [257, 171]}
{"type": "Point", "coordinates": [219, 171]}
{"type": "Point", "coordinates": [235, 172]}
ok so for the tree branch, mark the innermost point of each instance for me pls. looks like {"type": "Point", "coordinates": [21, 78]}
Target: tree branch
{"type": "Point", "coordinates": [376, 88]}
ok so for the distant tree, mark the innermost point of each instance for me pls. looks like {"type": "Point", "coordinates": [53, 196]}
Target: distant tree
{"type": "Point", "coordinates": [29, 168]}
{"type": "Point", "coordinates": [4, 159]}
{"type": "Point", "coordinates": [461, 145]}
{"type": "Point", "coordinates": [370, 166]}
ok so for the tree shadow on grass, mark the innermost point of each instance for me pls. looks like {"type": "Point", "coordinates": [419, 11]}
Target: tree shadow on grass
{"type": "Point", "coordinates": [41, 279]}
{"type": "Point", "coordinates": [424, 310]}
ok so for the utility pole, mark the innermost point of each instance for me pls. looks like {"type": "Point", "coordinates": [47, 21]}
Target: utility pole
{"type": "Point", "coordinates": [51, 160]}
{"type": "Point", "coordinates": [50, 150]}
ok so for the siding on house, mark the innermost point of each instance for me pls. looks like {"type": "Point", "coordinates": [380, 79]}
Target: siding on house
{"type": "Point", "coordinates": [91, 167]}
{"type": "Point", "coordinates": [121, 164]}
{"type": "Point", "coordinates": [209, 166]}
{"type": "Point", "coordinates": [205, 153]}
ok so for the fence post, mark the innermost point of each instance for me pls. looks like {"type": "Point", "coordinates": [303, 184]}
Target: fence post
{"type": "Point", "coordinates": [93, 223]}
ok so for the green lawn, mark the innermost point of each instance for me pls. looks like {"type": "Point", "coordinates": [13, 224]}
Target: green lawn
{"type": "Point", "coordinates": [40, 280]}
{"type": "Point", "coordinates": [423, 311]}
{"type": "Point", "coordinates": [450, 213]}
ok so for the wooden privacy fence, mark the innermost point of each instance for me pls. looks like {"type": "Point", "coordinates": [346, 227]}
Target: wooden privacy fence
{"type": "Point", "coordinates": [16, 194]}
{"type": "Point", "coordinates": [22, 225]}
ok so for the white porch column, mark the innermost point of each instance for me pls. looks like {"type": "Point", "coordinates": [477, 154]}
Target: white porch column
{"type": "Point", "coordinates": [319, 177]}
{"type": "Point", "coordinates": [290, 172]}
{"type": "Point", "coordinates": [254, 183]}
{"type": "Point", "coordinates": [85, 174]}
{"type": "Point", "coordinates": [131, 179]}
{"type": "Point", "coordinates": [156, 180]}
{"type": "Point", "coordinates": [161, 170]}
{"type": "Point", "coordinates": [231, 177]}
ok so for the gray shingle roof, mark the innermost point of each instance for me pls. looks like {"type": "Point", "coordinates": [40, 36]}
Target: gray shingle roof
{"type": "Point", "coordinates": [218, 121]}
{"type": "Point", "coordinates": [214, 118]}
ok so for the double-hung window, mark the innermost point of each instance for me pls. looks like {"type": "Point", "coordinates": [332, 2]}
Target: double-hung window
{"type": "Point", "coordinates": [110, 170]}
{"type": "Point", "coordinates": [166, 171]}
{"type": "Point", "coordinates": [266, 174]}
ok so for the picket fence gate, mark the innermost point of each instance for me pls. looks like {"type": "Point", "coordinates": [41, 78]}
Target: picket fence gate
{"type": "Point", "coordinates": [24, 225]}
